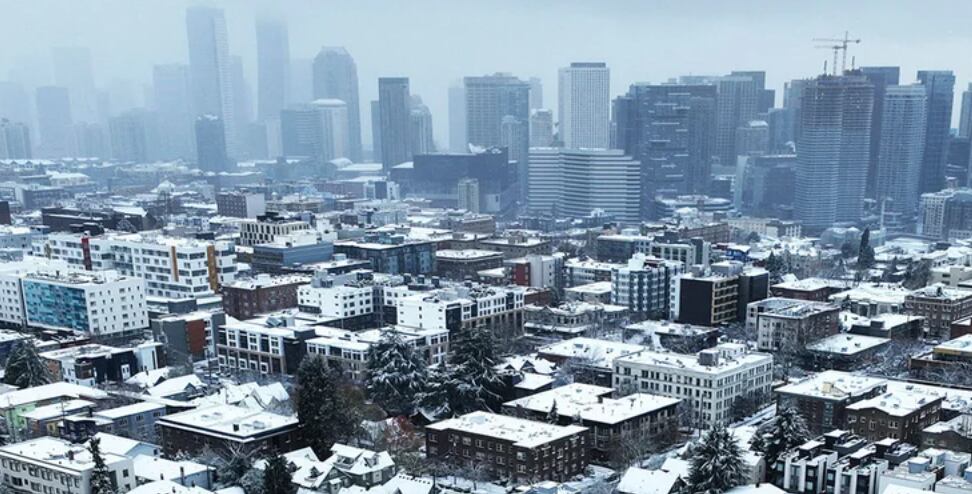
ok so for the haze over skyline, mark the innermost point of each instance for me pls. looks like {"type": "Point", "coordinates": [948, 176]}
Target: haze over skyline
{"type": "Point", "coordinates": [639, 41]}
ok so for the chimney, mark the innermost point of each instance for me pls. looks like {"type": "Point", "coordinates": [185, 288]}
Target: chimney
{"type": "Point", "coordinates": [236, 427]}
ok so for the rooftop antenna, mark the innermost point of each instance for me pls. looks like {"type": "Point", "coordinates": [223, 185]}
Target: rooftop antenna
{"type": "Point", "coordinates": [839, 45]}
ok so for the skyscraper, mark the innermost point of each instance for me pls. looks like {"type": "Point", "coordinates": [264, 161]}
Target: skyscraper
{"type": "Point", "coordinates": [333, 118]}
{"type": "Point", "coordinates": [54, 122]}
{"type": "Point", "coordinates": [457, 119]}
{"type": "Point", "coordinates": [172, 95]}
{"type": "Point", "coordinates": [335, 76]}
{"type": "Point", "coordinates": [211, 69]}
{"type": "Point", "coordinates": [134, 136]}
{"type": "Point", "coordinates": [420, 127]}
{"type": "Point", "coordinates": [901, 147]}
{"type": "Point", "coordinates": [301, 81]}
{"type": "Point", "coordinates": [211, 144]}
{"type": "Point", "coordinates": [376, 131]}
{"type": "Point", "coordinates": [541, 128]}
{"type": "Point", "coordinates": [242, 97]}
{"type": "Point", "coordinates": [14, 140]}
{"type": "Point", "coordinates": [72, 70]}
{"type": "Point", "coordinates": [737, 104]}
{"type": "Point", "coordinates": [536, 93]}
{"type": "Point", "coordinates": [792, 103]}
{"type": "Point", "coordinates": [15, 102]}
{"type": "Point", "coordinates": [394, 103]}
{"type": "Point", "coordinates": [833, 151]}
{"type": "Point", "coordinates": [765, 98]}
{"type": "Point", "coordinates": [318, 129]}
{"type": "Point", "coordinates": [573, 183]}
{"type": "Point", "coordinates": [940, 85]}
{"type": "Point", "coordinates": [584, 106]}
{"type": "Point", "coordinates": [273, 67]}
{"type": "Point", "coordinates": [670, 129]}
{"type": "Point", "coordinates": [965, 118]}
{"type": "Point", "coordinates": [488, 100]}
{"type": "Point", "coordinates": [881, 78]}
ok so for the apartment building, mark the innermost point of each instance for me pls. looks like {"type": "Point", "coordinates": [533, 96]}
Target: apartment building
{"type": "Point", "coordinates": [266, 228]}
{"type": "Point", "coordinates": [245, 298]}
{"type": "Point", "coordinates": [782, 324]}
{"type": "Point", "coordinates": [226, 426]}
{"type": "Point", "coordinates": [48, 465]}
{"type": "Point", "coordinates": [708, 382]}
{"type": "Point", "coordinates": [101, 304]}
{"type": "Point", "coordinates": [940, 306]}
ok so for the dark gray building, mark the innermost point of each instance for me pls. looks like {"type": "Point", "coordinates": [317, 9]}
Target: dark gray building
{"type": "Point", "coordinates": [54, 123]}
{"type": "Point", "coordinates": [394, 102]}
{"type": "Point", "coordinates": [336, 77]}
{"type": "Point", "coordinates": [498, 114]}
{"type": "Point", "coordinates": [881, 78]}
{"type": "Point", "coordinates": [273, 67]}
{"type": "Point", "coordinates": [940, 86]}
{"type": "Point", "coordinates": [211, 144]}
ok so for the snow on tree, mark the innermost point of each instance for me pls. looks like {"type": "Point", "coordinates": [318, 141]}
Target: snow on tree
{"type": "Point", "coordinates": [776, 267]}
{"type": "Point", "coordinates": [396, 374]}
{"type": "Point", "coordinates": [252, 481]}
{"type": "Point", "coordinates": [716, 463]}
{"type": "Point", "coordinates": [323, 409]}
{"type": "Point", "coordinates": [786, 432]}
{"type": "Point", "coordinates": [277, 476]}
{"type": "Point", "coordinates": [473, 378]}
{"type": "Point", "coordinates": [24, 367]}
{"type": "Point", "coordinates": [435, 399]}
{"type": "Point", "coordinates": [232, 463]}
{"type": "Point", "coordinates": [101, 482]}
{"type": "Point", "coordinates": [552, 416]}
{"type": "Point", "coordinates": [865, 253]}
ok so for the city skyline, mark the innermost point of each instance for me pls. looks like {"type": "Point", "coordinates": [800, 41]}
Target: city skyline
{"type": "Point", "coordinates": [669, 41]}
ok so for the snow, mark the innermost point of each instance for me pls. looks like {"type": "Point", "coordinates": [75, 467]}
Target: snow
{"type": "Point", "coordinates": [521, 432]}
{"type": "Point", "coordinates": [176, 385]}
{"type": "Point", "coordinates": [170, 487]}
{"type": "Point", "coordinates": [677, 466]}
{"type": "Point", "coordinates": [228, 420]}
{"type": "Point", "coordinates": [899, 403]}
{"type": "Point", "coordinates": [593, 403]}
{"type": "Point", "coordinates": [832, 384]}
{"type": "Point", "coordinates": [151, 467]}
{"type": "Point", "coordinates": [533, 382]}
{"type": "Point", "coordinates": [756, 489]}
{"type": "Point", "coordinates": [640, 481]}
{"type": "Point", "coordinates": [599, 353]}
{"type": "Point", "coordinates": [847, 344]}
{"type": "Point", "coordinates": [124, 446]}
{"type": "Point", "coordinates": [49, 392]}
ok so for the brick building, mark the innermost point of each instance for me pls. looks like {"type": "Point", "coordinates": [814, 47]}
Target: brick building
{"type": "Point", "coordinates": [246, 298]}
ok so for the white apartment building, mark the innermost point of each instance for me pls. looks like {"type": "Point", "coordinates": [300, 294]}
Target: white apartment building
{"type": "Point", "coordinates": [11, 292]}
{"type": "Point", "coordinates": [708, 382]}
{"type": "Point", "coordinates": [645, 285]}
{"type": "Point", "coordinates": [462, 306]}
{"type": "Point", "coordinates": [585, 105]}
{"type": "Point", "coordinates": [102, 303]}
{"type": "Point", "coordinates": [256, 232]}
{"type": "Point", "coordinates": [349, 349]}
{"type": "Point", "coordinates": [338, 297]}
{"type": "Point", "coordinates": [48, 465]}
{"type": "Point", "coordinates": [172, 267]}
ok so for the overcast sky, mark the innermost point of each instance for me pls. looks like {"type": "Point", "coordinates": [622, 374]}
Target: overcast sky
{"type": "Point", "coordinates": [435, 42]}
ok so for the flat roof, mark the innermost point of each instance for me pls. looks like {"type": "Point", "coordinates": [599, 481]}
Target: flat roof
{"type": "Point", "coordinates": [521, 432]}
{"type": "Point", "coordinates": [593, 403]}
{"type": "Point", "coordinates": [833, 385]}
{"type": "Point", "coordinates": [229, 421]}
{"type": "Point", "coordinates": [847, 344]}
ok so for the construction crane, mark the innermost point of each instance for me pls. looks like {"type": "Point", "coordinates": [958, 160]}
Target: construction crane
{"type": "Point", "coordinates": [838, 45]}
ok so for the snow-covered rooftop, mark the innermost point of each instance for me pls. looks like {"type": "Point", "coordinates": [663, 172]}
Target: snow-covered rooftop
{"type": "Point", "coordinates": [592, 403]}
{"type": "Point", "coordinates": [228, 420]}
{"type": "Point", "coordinates": [521, 432]}
{"type": "Point", "coordinates": [833, 385]}
{"type": "Point", "coordinates": [847, 344]}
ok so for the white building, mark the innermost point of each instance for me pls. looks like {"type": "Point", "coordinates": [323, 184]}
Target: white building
{"type": "Point", "coordinates": [463, 306]}
{"type": "Point", "coordinates": [16, 237]}
{"type": "Point", "coordinates": [172, 267]}
{"type": "Point", "coordinates": [708, 382]}
{"type": "Point", "coordinates": [102, 303]}
{"type": "Point", "coordinates": [585, 106]}
{"type": "Point", "coordinates": [334, 126]}
{"type": "Point", "coordinates": [645, 285]}
{"type": "Point", "coordinates": [48, 465]}
{"type": "Point", "coordinates": [544, 180]}
{"type": "Point", "coordinates": [256, 232]}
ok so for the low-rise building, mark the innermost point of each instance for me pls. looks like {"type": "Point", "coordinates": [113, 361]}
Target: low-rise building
{"type": "Point", "coordinates": [940, 306]}
{"type": "Point", "coordinates": [872, 299]}
{"type": "Point", "coordinates": [245, 298]}
{"type": "Point", "coordinates": [101, 304]}
{"type": "Point", "coordinates": [638, 418]}
{"type": "Point", "coordinates": [15, 404]}
{"type": "Point", "coordinates": [822, 399]}
{"type": "Point", "coordinates": [391, 253]}
{"type": "Point", "coordinates": [677, 337]}
{"type": "Point", "coordinates": [47, 464]}
{"type": "Point", "coordinates": [709, 383]}
{"type": "Point", "coordinates": [465, 264]}
{"type": "Point", "coordinates": [510, 447]}
{"type": "Point", "coordinates": [789, 325]}
{"type": "Point", "coordinates": [266, 228]}
{"type": "Point", "coordinates": [954, 434]}
{"type": "Point", "coordinates": [810, 289]}
{"type": "Point", "coordinates": [845, 351]}
{"type": "Point", "coordinates": [898, 415]}
{"type": "Point", "coordinates": [590, 359]}
{"type": "Point", "coordinates": [93, 364]}
{"type": "Point", "coordinates": [227, 426]}
{"type": "Point", "coordinates": [136, 421]}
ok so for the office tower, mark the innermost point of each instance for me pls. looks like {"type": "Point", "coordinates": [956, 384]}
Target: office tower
{"type": "Point", "coordinates": [211, 144]}
{"type": "Point", "coordinates": [457, 119]}
{"type": "Point", "coordinates": [301, 81]}
{"type": "Point", "coordinates": [901, 148]}
{"type": "Point", "coordinates": [965, 118]}
{"type": "Point", "coordinates": [211, 70]}
{"type": "Point", "coordinates": [394, 103]}
{"type": "Point", "coordinates": [752, 139]}
{"type": "Point", "coordinates": [584, 106]}
{"type": "Point", "coordinates": [54, 122]}
{"type": "Point", "coordinates": [121, 96]}
{"type": "Point", "coordinates": [765, 98]}
{"type": "Point", "coordinates": [334, 124]}
{"type": "Point", "coordinates": [779, 127]}
{"type": "Point", "coordinates": [242, 95]}
{"type": "Point", "coordinates": [536, 93]}
{"type": "Point", "coordinates": [92, 140]}
{"type": "Point", "coordinates": [881, 78]}
{"type": "Point", "coordinates": [488, 100]}
{"type": "Point", "coordinates": [736, 105]}
{"type": "Point", "coordinates": [585, 180]}
{"type": "Point", "coordinates": [670, 129]}
{"type": "Point", "coordinates": [335, 76]}
{"type": "Point", "coordinates": [376, 131]}
{"type": "Point", "coordinates": [940, 85]}
{"type": "Point", "coordinates": [72, 70]}
{"type": "Point", "coordinates": [833, 151]}
{"type": "Point", "coordinates": [14, 140]}
{"type": "Point", "coordinates": [172, 102]}
{"type": "Point", "coordinates": [468, 194]}
{"type": "Point", "coordinates": [14, 102]}
{"type": "Point", "coordinates": [420, 127]}
{"type": "Point", "coordinates": [792, 103]}
{"type": "Point", "coordinates": [273, 67]}
{"type": "Point", "coordinates": [134, 136]}
{"type": "Point", "coordinates": [545, 185]}
{"type": "Point", "coordinates": [317, 130]}
{"type": "Point", "coordinates": [541, 128]}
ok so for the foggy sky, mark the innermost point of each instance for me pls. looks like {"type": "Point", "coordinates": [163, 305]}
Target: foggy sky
{"type": "Point", "coordinates": [435, 42]}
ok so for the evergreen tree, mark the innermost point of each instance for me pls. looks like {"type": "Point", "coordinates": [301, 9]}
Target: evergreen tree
{"type": "Point", "coordinates": [100, 476]}
{"type": "Point", "coordinates": [231, 465]}
{"type": "Point", "coordinates": [917, 275]}
{"type": "Point", "coordinates": [277, 476]}
{"type": "Point", "coordinates": [322, 408]}
{"type": "Point", "coordinates": [252, 481]}
{"type": "Point", "coordinates": [865, 253]}
{"type": "Point", "coordinates": [396, 374]}
{"type": "Point", "coordinates": [552, 416]}
{"type": "Point", "coordinates": [436, 398]}
{"type": "Point", "coordinates": [788, 431]}
{"type": "Point", "coordinates": [24, 368]}
{"type": "Point", "coordinates": [474, 382]}
{"type": "Point", "coordinates": [776, 267]}
{"type": "Point", "coordinates": [716, 463]}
